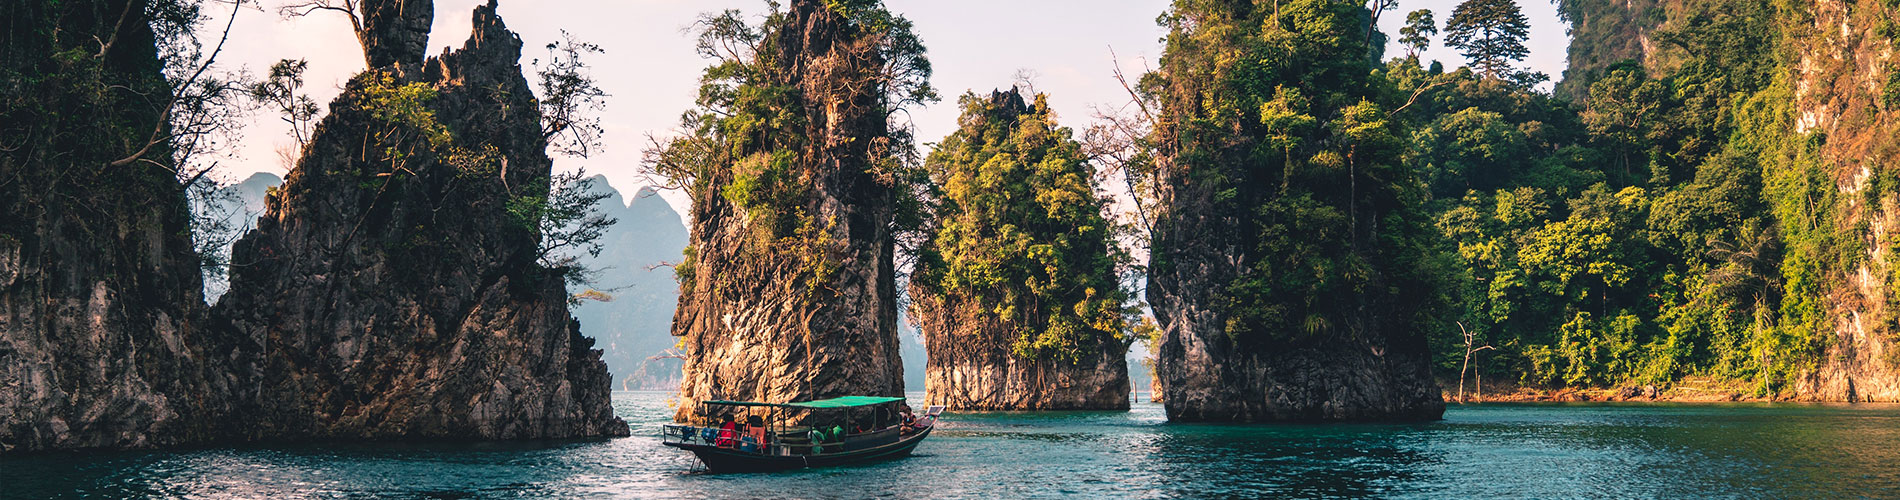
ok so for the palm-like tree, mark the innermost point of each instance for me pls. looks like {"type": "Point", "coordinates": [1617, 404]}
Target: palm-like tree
{"type": "Point", "coordinates": [1750, 266]}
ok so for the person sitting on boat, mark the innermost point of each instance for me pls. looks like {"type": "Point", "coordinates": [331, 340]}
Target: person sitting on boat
{"type": "Point", "coordinates": [728, 433]}
{"type": "Point", "coordinates": [910, 420]}
{"type": "Point", "coordinates": [754, 439]}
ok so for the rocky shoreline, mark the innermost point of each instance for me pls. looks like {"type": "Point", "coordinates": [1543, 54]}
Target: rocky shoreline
{"type": "Point", "coordinates": [1690, 390]}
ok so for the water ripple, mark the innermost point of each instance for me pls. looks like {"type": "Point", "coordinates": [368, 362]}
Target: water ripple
{"type": "Point", "coordinates": [1520, 451]}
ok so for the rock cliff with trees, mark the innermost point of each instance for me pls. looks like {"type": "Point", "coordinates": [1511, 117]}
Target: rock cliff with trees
{"type": "Point", "coordinates": [800, 185]}
{"type": "Point", "coordinates": [103, 339]}
{"type": "Point", "coordinates": [1016, 287]}
{"type": "Point", "coordinates": [1292, 270]}
{"type": "Point", "coordinates": [404, 282]}
{"type": "Point", "coordinates": [1703, 207]}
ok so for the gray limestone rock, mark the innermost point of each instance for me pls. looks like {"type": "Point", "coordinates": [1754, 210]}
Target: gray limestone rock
{"type": "Point", "coordinates": [392, 291]}
{"type": "Point", "coordinates": [971, 366]}
{"type": "Point", "coordinates": [396, 32]}
{"type": "Point", "coordinates": [102, 339]}
{"type": "Point", "coordinates": [755, 328]}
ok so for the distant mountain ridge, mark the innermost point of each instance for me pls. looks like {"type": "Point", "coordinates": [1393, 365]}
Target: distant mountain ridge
{"type": "Point", "coordinates": [635, 268]}
{"type": "Point", "coordinates": [239, 205]}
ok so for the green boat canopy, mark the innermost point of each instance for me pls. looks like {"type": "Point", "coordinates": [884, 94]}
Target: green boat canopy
{"type": "Point", "coordinates": [842, 402]}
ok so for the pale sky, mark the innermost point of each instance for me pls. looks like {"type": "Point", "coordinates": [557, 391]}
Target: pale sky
{"type": "Point", "coordinates": [652, 72]}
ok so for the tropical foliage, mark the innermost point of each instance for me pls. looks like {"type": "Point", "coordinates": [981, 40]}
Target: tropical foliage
{"type": "Point", "coordinates": [1668, 222]}
{"type": "Point", "coordinates": [1293, 140]}
{"type": "Point", "coordinates": [1019, 230]}
{"type": "Point", "coordinates": [1672, 224]}
{"type": "Point", "coordinates": [751, 142]}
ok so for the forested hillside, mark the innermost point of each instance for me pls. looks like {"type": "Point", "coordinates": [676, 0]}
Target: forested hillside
{"type": "Point", "coordinates": [1707, 218]}
{"type": "Point", "coordinates": [1698, 210]}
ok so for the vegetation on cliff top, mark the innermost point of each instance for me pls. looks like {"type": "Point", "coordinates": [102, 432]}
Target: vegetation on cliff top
{"type": "Point", "coordinates": [1018, 231]}
{"type": "Point", "coordinates": [750, 142]}
{"type": "Point", "coordinates": [1296, 144]}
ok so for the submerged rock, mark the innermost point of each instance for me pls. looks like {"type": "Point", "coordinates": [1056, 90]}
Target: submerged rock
{"type": "Point", "coordinates": [391, 290]}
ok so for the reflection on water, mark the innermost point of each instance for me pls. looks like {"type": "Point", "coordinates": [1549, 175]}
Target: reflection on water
{"type": "Point", "coordinates": [1547, 450]}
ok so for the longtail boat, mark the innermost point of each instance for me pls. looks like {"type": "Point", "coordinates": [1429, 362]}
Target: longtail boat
{"type": "Point", "coordinates": [783, 436]}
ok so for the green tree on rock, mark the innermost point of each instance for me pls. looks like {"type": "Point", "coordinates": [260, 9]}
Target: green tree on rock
{"type": "Point", "coordinates": [1490, 33]}
{"type": "Point", "coordinates": [754, 139]}
{"type": "Point", "coordinates": [801, 183]}
{"type": "Point", "coordinates": [1020, 232]}
{"type": "Point", "coordinates": [1290, 232]}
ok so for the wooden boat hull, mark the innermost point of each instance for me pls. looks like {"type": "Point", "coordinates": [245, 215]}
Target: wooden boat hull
{"type": "Point", "coordinates": [728, 460]}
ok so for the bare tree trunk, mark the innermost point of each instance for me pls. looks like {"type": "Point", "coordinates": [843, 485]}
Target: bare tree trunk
{"type": "Point", "coordinates": [1471, 339]}
{"type": "Point", "coordinates": [1461, 373]}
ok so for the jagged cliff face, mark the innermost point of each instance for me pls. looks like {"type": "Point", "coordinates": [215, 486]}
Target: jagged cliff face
{"type": "Point", "coordinates": [102, 340]}
{"type": "Point", "coordinates": [1283, 272]}
{"type": "Point", "coordinates": [1205, 376]}
{"type": "Point", "coordinates": [395, 32]}
{"type": "Point", "coordinates": [1015, 288]}
{"type": "Point", "coordinates": [788, 317]}
{"type": "Point", "coordinates": [392, 291]}
{"type": "Point", "coordinates": [970, 365]}
{"type": "Point", "coordinates": [1844, 78]}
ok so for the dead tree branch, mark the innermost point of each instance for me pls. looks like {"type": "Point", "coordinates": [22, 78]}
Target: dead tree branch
{"type": "Point", "coordinates": [180, 93]}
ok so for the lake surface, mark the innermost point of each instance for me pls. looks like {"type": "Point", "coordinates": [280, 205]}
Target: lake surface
{"type": "Point", "coordinates": [1491, 450]}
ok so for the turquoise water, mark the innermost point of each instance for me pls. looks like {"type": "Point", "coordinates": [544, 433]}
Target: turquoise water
{"type": "Point", "coordinates": [1493, 450]}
